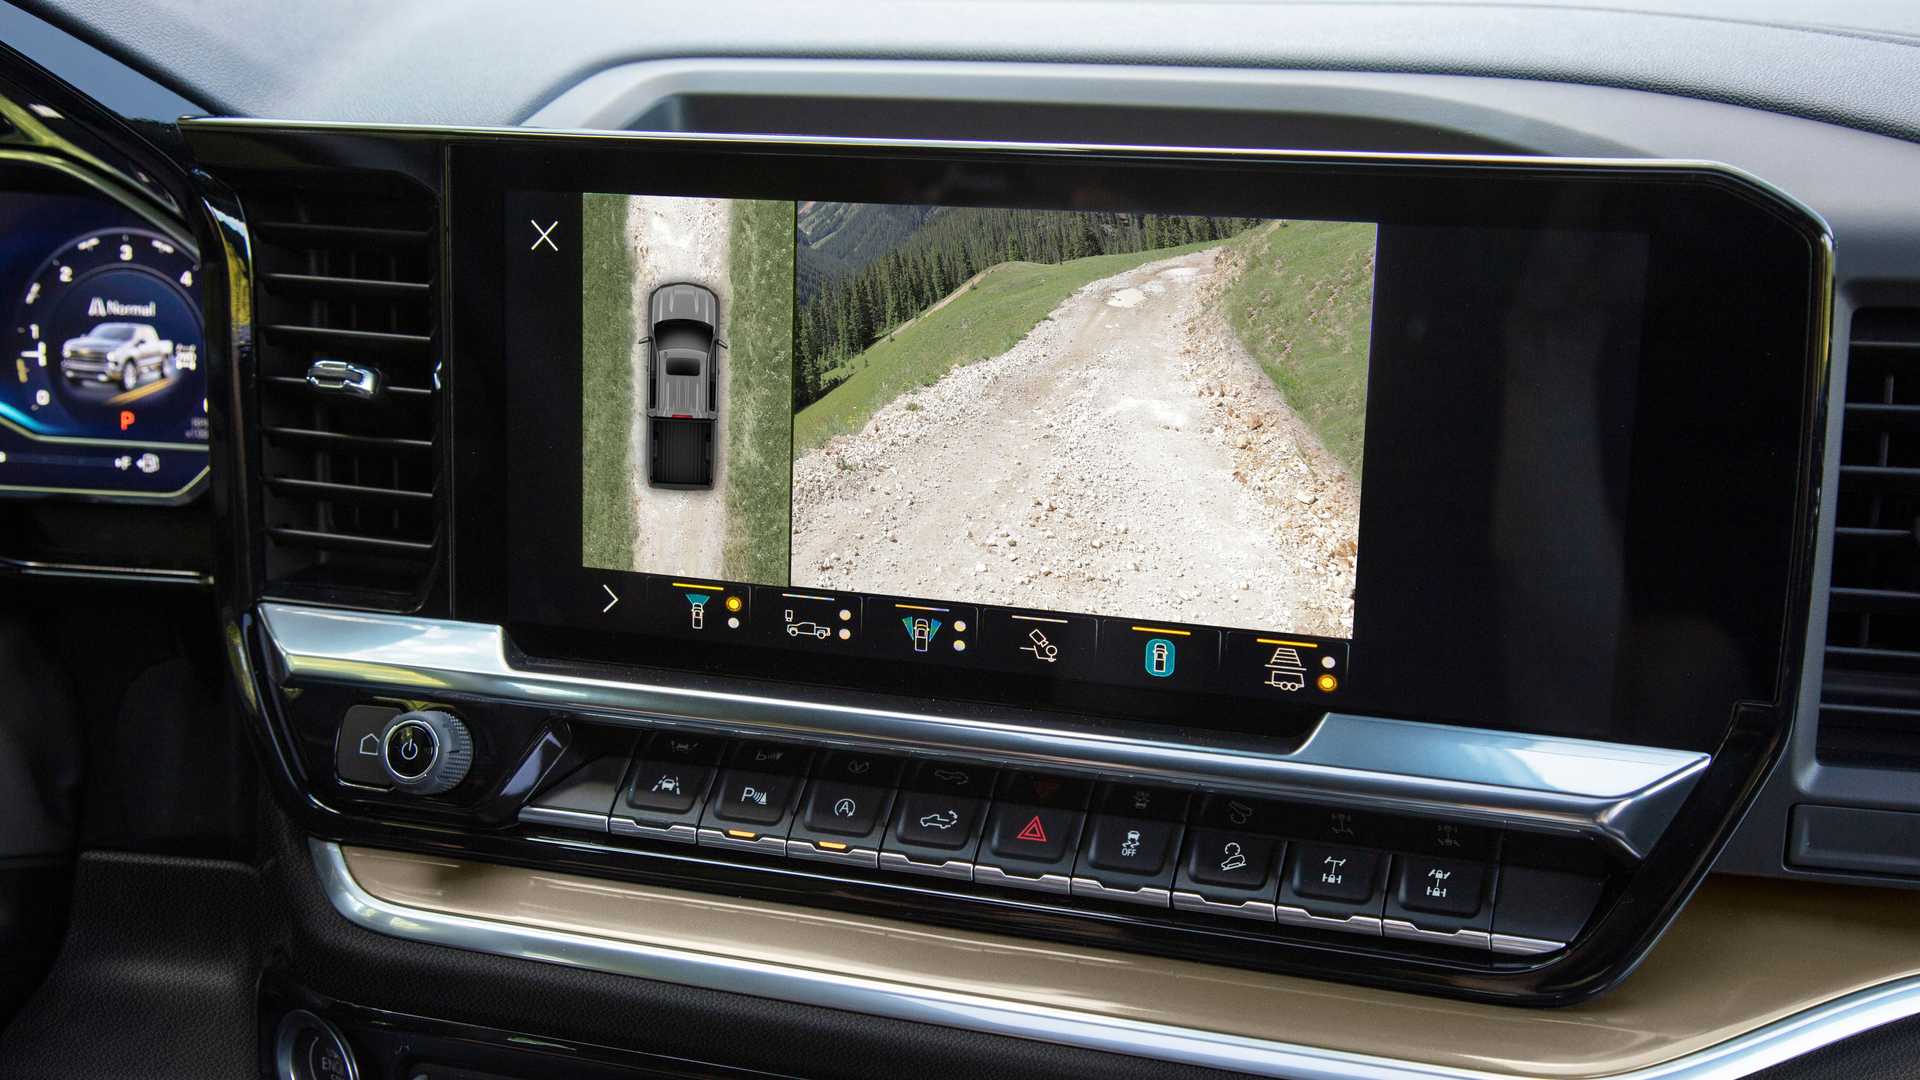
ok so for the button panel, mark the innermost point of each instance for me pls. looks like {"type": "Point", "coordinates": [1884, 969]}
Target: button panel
{"type": "Point", "coordinates": [1151, 851]}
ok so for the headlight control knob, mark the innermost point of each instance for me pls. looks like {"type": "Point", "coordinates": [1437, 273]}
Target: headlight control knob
{"type": "Point", "coordinates": [426, 752]}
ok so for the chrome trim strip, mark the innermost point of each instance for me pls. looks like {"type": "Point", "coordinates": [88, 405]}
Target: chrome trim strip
{"type": "Point", "coordinates": [852, 856]}
{"type": "Point", "coordinates": [566, 819]}
{"type": "Point", "coordinates": [1050, 883]}
{"type": "Point", "coordinates": [1762, 1048]}
{"type": "Point", "coordinates": [140, 574]}
{"type": "Point", "coordinates": [1086, 888]}
{"type": "Point", "coordinates": [1463, 938]}
{"type": "Point", "coordinates": [1625, 794]}
{"type": "Point", "coordinates": [760, 844]}
{"type": "Point", "coordinates": [679, 833]}
{"type": "Point", "coordinates": [1289, 915]}
{"type": "Point", "coordinates": [1515, 945]}
{"type": "Point", "coordinates": [959, 869]}
{"type": "Point", "coordinates": [1259, 910]}
{"type": "Point", "coordinates": [749, 141]}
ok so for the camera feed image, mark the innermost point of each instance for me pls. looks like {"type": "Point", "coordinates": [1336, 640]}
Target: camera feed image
{"type": "Point", "coordinates": [687, 368]}
{"type": "Point", "coordinates": [1153, 416]}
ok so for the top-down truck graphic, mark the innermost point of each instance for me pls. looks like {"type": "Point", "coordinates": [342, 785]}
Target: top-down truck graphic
{"type": "Point", "coordinates": [683, 401]}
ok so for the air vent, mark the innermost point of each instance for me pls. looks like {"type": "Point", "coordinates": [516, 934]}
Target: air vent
{"type": "Point", "coordinates": [344, 273]}
{"type": "Point", "coordinates": [1870, 700]}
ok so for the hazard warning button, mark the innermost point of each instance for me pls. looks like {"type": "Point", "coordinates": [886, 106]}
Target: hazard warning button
{"type": "Point", "coordinates": [1034, 834]}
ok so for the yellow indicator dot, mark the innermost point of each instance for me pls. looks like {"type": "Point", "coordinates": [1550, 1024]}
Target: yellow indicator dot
{"type": "Point", "coordinates": [959, 645]}
{"type": "Point", "coordinates": [734, 603]}
{"type": "Point", "coordinates": [846, 615]}
{"type": "Point", "coordinates": [830, 845]}
{"type": "Point", "coordinates": [1327, 683]}
{"type": "Point", "coordinates": [742, 834]}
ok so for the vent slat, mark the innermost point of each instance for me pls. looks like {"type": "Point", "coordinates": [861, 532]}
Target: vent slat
{"type": "Point", "coordinates": [330, 285]}
{"type": "Point", "coordinates": [1883, 477]}
{"type": "Point", "coordinates": [344, 269]}
{"type": "Point", "coordinates": [1863, 415]}
{"type": "Point", "coordinates": [328, 541]}
{"type": "Point", "coordinates": [1870, 697]}
{"type": "Point", "coordinates": [383, 341]}
{"type": "Point", "coordinates": [342, 441]}
{"type": "Point", "coordinates": [1846, 653]}
{"type": "Point", "coordinates": [309, 232]}
{"type": "Point", "coordinates": [1891, 600]}
{"type": "Point", "coordinates": [354, 493]}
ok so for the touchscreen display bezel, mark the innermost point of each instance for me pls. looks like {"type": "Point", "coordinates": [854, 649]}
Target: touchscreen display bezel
{"type": "Point", "coordinates": [1722, 245]}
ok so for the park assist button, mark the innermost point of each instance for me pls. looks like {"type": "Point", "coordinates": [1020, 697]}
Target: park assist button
{"type": "Point", "coordinates": [754, 798]}
{"type": "Point", "coordinates": [1282, 665]}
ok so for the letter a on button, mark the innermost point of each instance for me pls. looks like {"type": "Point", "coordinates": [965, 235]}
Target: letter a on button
{"type": "Point", "coordinates": [1034, 831]}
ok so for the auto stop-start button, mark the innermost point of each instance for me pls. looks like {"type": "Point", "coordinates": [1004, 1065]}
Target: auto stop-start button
{"type": "Point", "coordinates": [411, 749]}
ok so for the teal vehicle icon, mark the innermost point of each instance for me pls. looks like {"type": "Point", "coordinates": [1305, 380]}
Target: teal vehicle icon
{"type": "Point", "coordinates": [1159, 659]}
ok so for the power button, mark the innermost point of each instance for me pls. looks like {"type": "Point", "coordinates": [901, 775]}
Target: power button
{"type": "Point", "coordinates": [426, 752]}
{"type": "Point", "coordinates": [411, 749]}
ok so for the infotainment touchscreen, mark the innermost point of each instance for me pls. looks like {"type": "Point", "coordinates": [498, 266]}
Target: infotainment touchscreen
{"type": "Point", "coordinates": [1223, 443]}
{"type": "Point", "coordinates": [1016, 432]}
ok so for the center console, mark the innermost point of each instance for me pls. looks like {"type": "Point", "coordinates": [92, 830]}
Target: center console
{"type": "Point", "coordinates": [1378, 568]}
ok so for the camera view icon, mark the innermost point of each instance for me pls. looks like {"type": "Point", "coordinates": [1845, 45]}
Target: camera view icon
{"type": "Point", "coordinates": [1160, 657]}
{"type": "Point", "coordinates": [921, 630]}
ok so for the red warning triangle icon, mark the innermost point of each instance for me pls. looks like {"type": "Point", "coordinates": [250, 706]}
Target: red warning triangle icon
{"type": "Point", "coordinates": [1034, 831]}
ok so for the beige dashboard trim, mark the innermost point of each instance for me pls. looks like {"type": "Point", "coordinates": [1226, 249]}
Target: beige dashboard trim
{"type": "Point", "coordinates": [1751, 973]}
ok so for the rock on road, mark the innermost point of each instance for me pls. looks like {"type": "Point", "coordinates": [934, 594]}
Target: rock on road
{"type": "Point", "coordinates": [1126, 457]}
{"type": "Point", "coordinates": [672, 240]}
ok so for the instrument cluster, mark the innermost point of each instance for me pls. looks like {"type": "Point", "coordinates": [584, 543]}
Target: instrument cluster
{"type": "Point", "coordinates": [104, 392]}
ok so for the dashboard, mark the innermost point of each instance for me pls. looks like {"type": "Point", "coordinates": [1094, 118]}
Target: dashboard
{"type": "Point", "coordinates": [1422, 540]}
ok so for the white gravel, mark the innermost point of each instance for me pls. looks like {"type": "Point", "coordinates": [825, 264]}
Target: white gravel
{"type": "Point", "coordinates": [1127, 456]}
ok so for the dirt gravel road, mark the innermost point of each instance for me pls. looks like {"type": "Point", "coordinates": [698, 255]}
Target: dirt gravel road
{"type": "Point", "coordinates": [1127, 456]}
{"type": "Point", "coordinates": [677, 239]}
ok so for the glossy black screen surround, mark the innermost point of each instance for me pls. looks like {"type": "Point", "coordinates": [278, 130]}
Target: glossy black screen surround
{"type": "Point", "coordinates": [1574, 521]}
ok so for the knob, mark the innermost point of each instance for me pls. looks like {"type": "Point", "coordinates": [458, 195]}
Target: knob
{"type": "Point", "coordinates": [426, 752]}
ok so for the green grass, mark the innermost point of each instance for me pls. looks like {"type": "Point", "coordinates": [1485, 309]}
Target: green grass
{"type": "Point", "coordinates": [760, 393]}
{"type": "Point", "coordinates": [1303, 306]}
{"type": "Point", "coordinates": [980, 323]}
{"type": "Point", "coordinates": [606, 383]}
